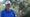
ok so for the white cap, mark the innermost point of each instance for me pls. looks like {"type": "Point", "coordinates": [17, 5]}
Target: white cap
{"type": "Point", "coordinates": [8, 2]}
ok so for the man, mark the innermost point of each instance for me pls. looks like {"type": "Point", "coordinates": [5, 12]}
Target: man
{"type": "Point", "coordinates": [7, 12]}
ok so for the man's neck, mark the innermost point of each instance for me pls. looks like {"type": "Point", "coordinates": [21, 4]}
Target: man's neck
{"type": "Point", "coordinates": [7, 9]}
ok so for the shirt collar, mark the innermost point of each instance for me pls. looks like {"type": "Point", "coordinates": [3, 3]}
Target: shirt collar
{"type": "Point", "coordinates": [7, 11]}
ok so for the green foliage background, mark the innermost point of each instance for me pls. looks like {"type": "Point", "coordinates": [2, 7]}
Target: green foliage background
{"type": "Point", "coordinates": [15, 8]}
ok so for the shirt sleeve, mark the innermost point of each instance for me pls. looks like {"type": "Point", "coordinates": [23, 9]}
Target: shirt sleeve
{"type": "Point", "coordinates": [13, 13]}
{"type": "Point", "coordinates": [2, 14]}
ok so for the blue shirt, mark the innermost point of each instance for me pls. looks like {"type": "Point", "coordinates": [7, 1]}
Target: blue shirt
{"type": "Point", "coordinates": [9, 13]}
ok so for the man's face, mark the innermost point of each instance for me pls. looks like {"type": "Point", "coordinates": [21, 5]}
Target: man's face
{"type": "Point", "coordinates": [7, 6]}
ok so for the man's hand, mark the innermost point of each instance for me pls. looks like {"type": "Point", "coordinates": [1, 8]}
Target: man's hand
{"type": "Point", "coordinates": [19, 13]}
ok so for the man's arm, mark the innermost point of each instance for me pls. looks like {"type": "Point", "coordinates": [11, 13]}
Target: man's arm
{"type": "Point", "coordinates": [2, 14]}
{"type": "Point", "coordinates": [13, 13]}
